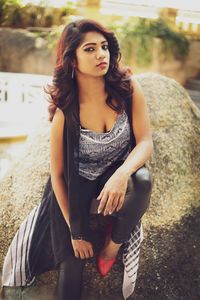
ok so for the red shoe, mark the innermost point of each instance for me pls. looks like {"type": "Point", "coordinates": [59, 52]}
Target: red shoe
{"type": "Point", "coordinates": [104, 266]}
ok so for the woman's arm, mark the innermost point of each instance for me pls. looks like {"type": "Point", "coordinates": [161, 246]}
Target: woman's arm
{"type": "Point", "coordinates": [142, 131]}
{"type": "Point", "coordinates": [56, 163]}
{"type": "Point", "coordinates": [113, 192]}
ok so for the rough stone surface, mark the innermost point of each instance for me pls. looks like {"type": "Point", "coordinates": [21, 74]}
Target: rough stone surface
{"type": "Point", "coordinates": [169, 267]}
{"type": "Point", "coordinates": [21, 51]}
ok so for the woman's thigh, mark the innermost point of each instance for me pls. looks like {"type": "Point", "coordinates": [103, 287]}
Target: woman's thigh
{"type": "Point", "coordinates": [139, 186]}
{"type": "Point", "coordinates": [137, 197]}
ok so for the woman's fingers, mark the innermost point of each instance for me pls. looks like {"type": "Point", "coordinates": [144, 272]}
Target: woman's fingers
{"type": "Point", "coordinates": [109, 205]}
{"type": "Point", "coordinates": [90, 252]}
{"type": "Point", "coordinates": [76, 253]}
{"type": "Point", "coordinates": [112, 204]}
{"type": "Point", "coordinates": [83, 249]}
{"type": "Point", "coordinates": [103, 201]}
{"type": "Point", "coordinates": [120, 203]}
{"type": "Point", "coordinates": [75, 248]}
{"type": "Point", "coordinates": [82, 254]}
{"type": "Point", "coordinates": [109, 201]}
{"type": "Point", "coordinates": [116, 203]}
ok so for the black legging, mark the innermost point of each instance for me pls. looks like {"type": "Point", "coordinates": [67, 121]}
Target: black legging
{"type": "Point", "coordinates": [70, 278]}
{"type": "Point", "coordinates": [136, 202]}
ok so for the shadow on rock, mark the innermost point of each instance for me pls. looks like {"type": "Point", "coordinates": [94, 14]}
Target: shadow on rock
{"type": "Point", "coordinates": [169, 263]}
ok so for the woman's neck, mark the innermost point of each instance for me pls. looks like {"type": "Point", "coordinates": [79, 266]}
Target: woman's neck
{"type": "Point", "coordinates": [91, 89]}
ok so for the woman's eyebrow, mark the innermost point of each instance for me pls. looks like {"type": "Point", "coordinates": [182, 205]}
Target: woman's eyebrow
{"type": "Point", "coordinates": [93, 43]}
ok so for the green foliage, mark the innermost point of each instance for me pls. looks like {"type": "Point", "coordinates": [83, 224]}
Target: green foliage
{"type": "Point", "coordinates": [173, 40]}
{"type": "Point", "coordinates": [51, 36]}
{"type": "Point", "coordinates": [10, 2]}
{"type": "Point", "coordinates": [68, 9]}
{"type": "Point", "coordinates": [14, 14]}
{"type": "Point", "coordinates": [10, 12]}
{"type": "Point", "coordinates": [138, 36]}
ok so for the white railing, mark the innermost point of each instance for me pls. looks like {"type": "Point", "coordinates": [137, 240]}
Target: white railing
{"type": "Point", "coordinates": [21, 87]}
{"type": "Point", "coordinates": [22, 102]}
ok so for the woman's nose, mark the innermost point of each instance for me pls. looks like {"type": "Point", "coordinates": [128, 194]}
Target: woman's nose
{"type": "Point", "coordinates": [100, 53]}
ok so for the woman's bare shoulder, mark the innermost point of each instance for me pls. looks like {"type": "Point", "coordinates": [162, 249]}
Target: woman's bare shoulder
{"type": "Point", "coordinates": [58, 116]}
{"type": "Point", "coordinates": [58, 121]}
{"type": "Point", "coordinates": [135, 83]}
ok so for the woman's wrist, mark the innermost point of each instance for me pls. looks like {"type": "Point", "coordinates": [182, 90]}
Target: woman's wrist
{"type": "Point", "coordinates": [76, 236]}
{"type": "Point", "coordinates": [123, 172]}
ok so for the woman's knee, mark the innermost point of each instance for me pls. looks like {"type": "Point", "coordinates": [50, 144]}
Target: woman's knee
{"type": "Point", "coordinates": [142, 179]}
{"type": "Point", "coordinates": [138, 193]}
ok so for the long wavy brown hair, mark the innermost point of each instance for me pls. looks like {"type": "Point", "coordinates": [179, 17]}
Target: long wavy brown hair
{"type": "Point", "coordinates": [63, 92]}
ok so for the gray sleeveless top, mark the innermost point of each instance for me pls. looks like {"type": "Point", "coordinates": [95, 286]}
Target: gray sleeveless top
{"type": "Point", "coordinates": [97, 151]}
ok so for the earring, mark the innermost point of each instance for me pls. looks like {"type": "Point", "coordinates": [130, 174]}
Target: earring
{"type": "Point", "coordinates": [72, 72]}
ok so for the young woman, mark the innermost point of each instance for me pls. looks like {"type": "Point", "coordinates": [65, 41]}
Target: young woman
{"type": "Point", "coordinates": [100, 140]}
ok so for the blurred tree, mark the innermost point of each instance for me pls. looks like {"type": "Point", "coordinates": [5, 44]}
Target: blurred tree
{"type": "Point", "coordinates": [10, 13]}
{"type": "Point", "coordinates": [136, 37]}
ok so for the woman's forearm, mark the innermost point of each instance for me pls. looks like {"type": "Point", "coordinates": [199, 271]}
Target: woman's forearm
{"type": "Point", "coordinates": [136, 158]}
{"type": "Point", "coordinates": [60, 190]}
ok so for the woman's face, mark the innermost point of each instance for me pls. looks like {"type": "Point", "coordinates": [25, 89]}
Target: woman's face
{"type": "Point", "coordinates": [92, 51]}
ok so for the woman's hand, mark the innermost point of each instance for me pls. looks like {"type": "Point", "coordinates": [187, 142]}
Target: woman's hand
{"type": "Point", "coordinates": [82, 248]}
{"type": "Point", "coordinates": [113, 193]}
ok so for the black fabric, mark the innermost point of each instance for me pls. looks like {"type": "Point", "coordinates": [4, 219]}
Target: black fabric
{"type": "Point", "coordinates": [136, 202]}
{"type": "Point", "coordinates": [70, 276]}
{"type": "Point", "coordinates": [78, 222]}
{"type": "Point", "coordinates": [61, 240]}
{"type": "Point", "coordinates": [51, 241]}
{"type": "Point", "coordinates": [50, 225]}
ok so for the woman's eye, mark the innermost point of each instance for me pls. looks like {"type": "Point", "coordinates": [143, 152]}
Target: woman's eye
{"type": "Point", "coordinates": [88, 49]}
{"type": "Point", "coordinates": [105, 47]}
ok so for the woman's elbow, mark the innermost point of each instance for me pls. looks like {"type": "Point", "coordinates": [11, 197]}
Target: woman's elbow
{"type": "Point", "coordinates": [56, 174]}
{"type": "Point", "coordinates": [149, 145]}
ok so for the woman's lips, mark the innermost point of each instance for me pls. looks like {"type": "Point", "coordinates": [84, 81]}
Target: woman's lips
{"type": "Point", "coordinates": [102, 65]}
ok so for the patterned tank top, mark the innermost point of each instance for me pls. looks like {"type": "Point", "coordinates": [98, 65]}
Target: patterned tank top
{"type": "Point", "coordinates": [97, 151]}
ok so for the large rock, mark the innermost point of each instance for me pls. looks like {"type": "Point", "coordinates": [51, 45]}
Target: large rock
{"type": "Point", "coordinates": [23, 52]}
{"type": "Point", "coordinates": [168, 265]}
